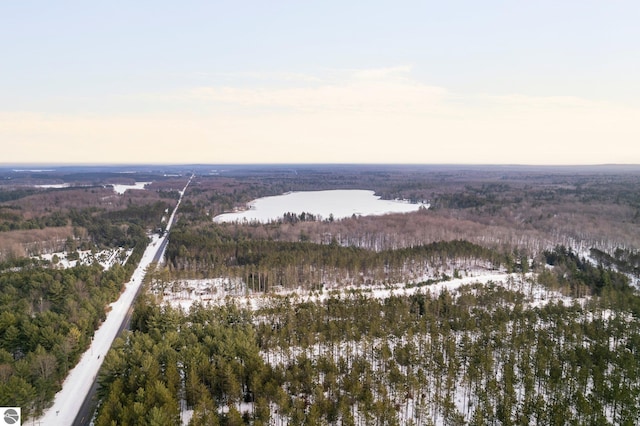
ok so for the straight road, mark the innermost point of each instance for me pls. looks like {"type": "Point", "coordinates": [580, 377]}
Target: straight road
{"type": "Point", "coordinates": [73, 405]}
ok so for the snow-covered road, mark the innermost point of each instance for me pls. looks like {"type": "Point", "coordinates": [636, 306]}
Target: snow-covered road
{"type": "Point", "coordinates": [69, 400]}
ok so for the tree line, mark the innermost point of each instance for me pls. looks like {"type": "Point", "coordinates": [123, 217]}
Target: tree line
{"type": "Point", "coordinates": [11, 221]}
{"type": "Point", "coordinates": [264, 264]}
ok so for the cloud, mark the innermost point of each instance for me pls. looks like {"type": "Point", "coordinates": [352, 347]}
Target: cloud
{"type": "Point", "coordinates": [379, 115]}
{"type": "Point", "coordinates": [394, 73]}
{"type": "Point", "coordinates": [362, 91]}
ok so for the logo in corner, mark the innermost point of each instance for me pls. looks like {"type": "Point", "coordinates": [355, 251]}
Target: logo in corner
{"type": "Point", "coordinates": [11, 415]}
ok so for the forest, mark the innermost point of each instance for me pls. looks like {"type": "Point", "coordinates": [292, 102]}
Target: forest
{"type": "Point", "coordinates": [266, 263]}
{"type": "Point", "coordinates": [48, 314]}
{"type": "Point", "coordinates": [503, 352]}
{"type": "Point", "coordinates": [483, 354]}
{"type": "Point", "coordinates": [479, 356]}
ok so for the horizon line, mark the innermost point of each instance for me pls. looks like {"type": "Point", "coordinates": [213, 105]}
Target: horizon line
{"type": "Point", "coordinates": [188, 164]}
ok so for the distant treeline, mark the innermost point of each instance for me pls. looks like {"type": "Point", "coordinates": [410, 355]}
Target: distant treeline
{"type": "Point", "coordinates": [15, 194]}
{"type": "Point", "coordinates": [11, 220]}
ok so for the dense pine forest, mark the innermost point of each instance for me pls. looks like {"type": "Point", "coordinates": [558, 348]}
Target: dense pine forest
{"type": "Point", "coordinates": [540, 328]}
{"type": "Point", "coordinates": [479, 356]}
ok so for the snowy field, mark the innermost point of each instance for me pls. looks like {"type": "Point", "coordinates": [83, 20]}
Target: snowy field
{"type": "Point", "coordinates": [219, 291]}
{"type": "Point", "coordinates": [120, 189]}
{"type": "Point", "coordinates": [106, 258]}
{"type": "Point", "coordinates": [53, 186]}
{"type": "Point", "coordinates": [339, 203]}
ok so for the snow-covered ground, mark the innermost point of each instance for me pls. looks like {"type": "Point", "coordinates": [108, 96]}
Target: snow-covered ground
{"type": "Point", "coordinates": [53, 186]}
{"type": "Point", "coordinates": [218, 291]}
{"type": "Point", "coordinates": [120, 189]}
{"type": "Point", "coordinates": [107, 258]}
{"type": "Point", "coordinates": [339, 203]}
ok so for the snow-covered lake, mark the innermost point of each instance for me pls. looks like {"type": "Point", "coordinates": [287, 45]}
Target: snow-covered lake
{"type": "Point", "coordinates": [341, 203]}
{"type": "Point", "coordinates": [120, 188]}
{"type": "Point", "coordinates": [54, 186]}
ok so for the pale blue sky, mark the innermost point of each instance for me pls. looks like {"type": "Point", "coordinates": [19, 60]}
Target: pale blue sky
{"type": "Point", "coordinates": [284, 81]}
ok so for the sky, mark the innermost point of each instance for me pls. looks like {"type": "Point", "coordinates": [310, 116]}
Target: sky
{"type": "Point", "coordinates": [244, 81]}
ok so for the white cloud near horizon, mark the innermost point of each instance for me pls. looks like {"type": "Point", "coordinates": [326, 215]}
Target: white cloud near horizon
{"type": "Point", "coordinates": [370, 115]}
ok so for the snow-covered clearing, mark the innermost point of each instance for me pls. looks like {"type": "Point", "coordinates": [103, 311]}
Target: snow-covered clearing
{"type": "Point", "coordinates": [218, 291]}
{"type": "Point", "coordinates": [121, 189]}
{"type": "Point", "coordinates": [106, 258]}
{"type": "Point", "coordinates": [53, 186]}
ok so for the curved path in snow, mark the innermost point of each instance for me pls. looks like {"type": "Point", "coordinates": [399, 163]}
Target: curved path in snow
{"type": "Point", "coordinates": [80, 380]}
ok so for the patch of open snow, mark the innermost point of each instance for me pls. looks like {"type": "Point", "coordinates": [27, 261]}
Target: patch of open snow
{"type": "Point", "coordinates": [186, 414]}
{"type": "Point", "coordinates": [53, 186]}
{"type": "Point", "coordinates": [106, 258]}
{"type": "Point", "coordinates": [121, 189]}
{"type": "Point", "coordinates": [219, 291]}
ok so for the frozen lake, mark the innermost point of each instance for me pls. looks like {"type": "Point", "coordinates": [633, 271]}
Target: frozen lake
{"type": "Point", "coordinates": [340, 203]}
{"type": "Point", "coordinates": [120, 188]}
